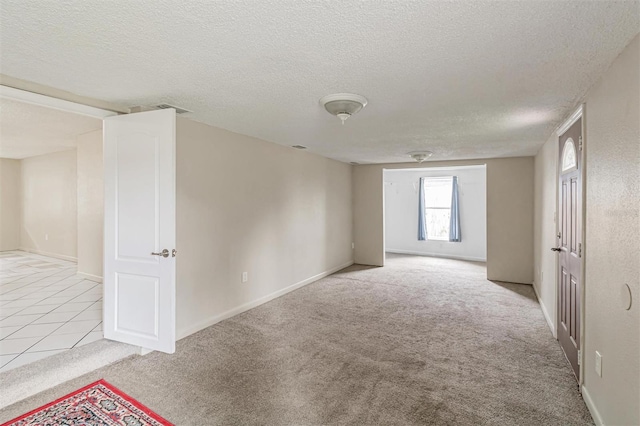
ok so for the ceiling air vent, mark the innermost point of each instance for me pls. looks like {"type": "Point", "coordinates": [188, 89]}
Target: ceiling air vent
{"type": "Point", "coordinates": [299, 147]}
{"type": "Point", "coordinates": [178, 109]}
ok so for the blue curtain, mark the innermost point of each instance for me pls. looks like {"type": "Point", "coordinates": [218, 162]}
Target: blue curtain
{"type": "Point", "coordinates": [454, 224]}
{"type": "Point", "coordinates": [422, 220]}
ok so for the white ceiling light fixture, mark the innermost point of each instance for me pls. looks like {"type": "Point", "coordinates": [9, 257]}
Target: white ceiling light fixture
{"type": "Point", "coordinates": [420, 156]}
{"type": "Point", "coordinates": [343, 105]}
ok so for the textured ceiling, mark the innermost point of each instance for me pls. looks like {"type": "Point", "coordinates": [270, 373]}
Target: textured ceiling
{"type": "Point", "coordinates": [28, 130]}
{"type": "Point", "coordinates": [465, 79]}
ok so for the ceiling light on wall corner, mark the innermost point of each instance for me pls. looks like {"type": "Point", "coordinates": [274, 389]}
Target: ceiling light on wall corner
{"type": "Point", "coordinates": [420, 156]}
{"type": "Point", "coordinates": [343, 105]}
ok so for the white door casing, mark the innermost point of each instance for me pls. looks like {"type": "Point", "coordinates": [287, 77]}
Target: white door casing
{"type": "Point", "coordinates": [140, 217]}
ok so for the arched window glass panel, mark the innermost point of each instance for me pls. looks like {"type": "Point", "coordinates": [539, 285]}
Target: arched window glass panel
{"type": "Point", "coordinates": [569, 157]}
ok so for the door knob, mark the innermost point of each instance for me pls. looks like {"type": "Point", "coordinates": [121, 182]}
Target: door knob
{"type": "Point", "coordinates": [163, 253]}
{"type": "Point", "coordinates": [556, 249]}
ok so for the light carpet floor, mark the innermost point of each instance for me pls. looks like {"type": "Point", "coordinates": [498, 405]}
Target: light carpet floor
{"type": "Point", "coordinates": [421, 341]}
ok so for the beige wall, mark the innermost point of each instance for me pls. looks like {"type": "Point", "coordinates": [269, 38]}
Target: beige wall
{"type": "Point", "coordinates": [545, 205]}
{"type": "Point", "coordinates": [612, 248]}
{"type": "Point", "coordinates": [612, 239]}
{"type": "Point", "coordinates": [90, 203]}
{"type": "Point", "coordinates": [509, 215]}
{"type": "Point", "coordinates": [49, 204]}
{"type": "Point", "coordinates": [9, 204]}
{"type": "Point", "coordinates": [282, 215]}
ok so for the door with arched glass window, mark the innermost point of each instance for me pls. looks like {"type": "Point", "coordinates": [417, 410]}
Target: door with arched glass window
{"type": "Point", "coordinates": [570, 244]}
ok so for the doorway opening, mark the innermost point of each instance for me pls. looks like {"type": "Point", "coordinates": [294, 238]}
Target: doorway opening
{"type": "Point", "coordinates": [51, 238]}
{"type": "Point", "coordinates": [436, 212]}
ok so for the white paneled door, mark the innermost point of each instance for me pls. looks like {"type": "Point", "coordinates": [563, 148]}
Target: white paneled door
{"type": "Point", "coordinates": [140, 231]}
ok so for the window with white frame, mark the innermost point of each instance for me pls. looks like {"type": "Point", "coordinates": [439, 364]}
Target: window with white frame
{"type": "Point", "coordinates": [437, 206]}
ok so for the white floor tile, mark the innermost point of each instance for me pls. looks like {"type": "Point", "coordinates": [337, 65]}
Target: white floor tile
{"type": "Point", "coordinates": [58, 287]}
{"type": "Point", "coordinates": [18, 320]}
{"type": "Point", "coordinates": [39, 294]}
{"type": "Point", "coordinates": [16, 346]}
{"type": "Point", "coordinates": [28, 357]}
{"type": "Point", "coordinates": [53, 301]}
{"type": "Point", "coordinates": [70, 292]}
{"type": "Point", "coordinates": [35, 330]}
{"type": "Point", "coordinates": [76, 327]}
{"type": "Point", "coordinates": [5, 312]}
{"type": "Point", "coordinates": [7, 331]}
{"type": "Point", "coordinates": [89, 315]}
{"type": "Point", "coordinates": [59, 341]}
{"type": "Point", "coordinates": [55, 317]}
{"type": "Point", "coordinates": [88, 298]}
{"type": "Point", "coordinates": [4, 359]}
{"type": "Point", "coordinates": [9, 297]}
{"type": "Point", "coordinates": [95, 306]}
{"type": "Point", "coordinates": [43, 309]}
{"type": "Point", "coordinates": [73, 307]}
{"type": "Point", "coordinates": [22, 303]}
{"type": "Point", "coordinates": [91, 337]}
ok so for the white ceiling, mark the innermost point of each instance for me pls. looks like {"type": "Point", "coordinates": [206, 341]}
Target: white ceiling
{"type": "Point", "coordinates": [28, 130]}
{"type": "Point", "coordinates": [465, 79]}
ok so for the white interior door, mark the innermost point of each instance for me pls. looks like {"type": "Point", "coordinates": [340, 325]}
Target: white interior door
{"type": "Point", "coordinates": [140, 217]}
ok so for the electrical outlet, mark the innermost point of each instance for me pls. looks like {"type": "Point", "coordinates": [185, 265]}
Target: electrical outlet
{"type": "Point", "coordinates": [46, 237]}
{"type": "Point", "coordinates": [353, 245]}
{"type": "Point", "coordinates": [598, 364]}
{"type": "Point", "coordinates": [245, 277]}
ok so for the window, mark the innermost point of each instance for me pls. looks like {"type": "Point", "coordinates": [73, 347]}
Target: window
{"type": "Point", "coordinates": [437, 205]}
{"type": "Point", "coordinates": [569, 158]}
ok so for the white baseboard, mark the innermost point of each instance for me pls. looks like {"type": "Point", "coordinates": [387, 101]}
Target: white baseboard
{"type": "Point", "coordinates": [447, 256]}
{"type": "Point", "coordinates": [181, 334]}
{"type": "Point", "coordinates": [592, 407]}
{"type": "Point", "coordinates": [46, 253]}
{"type": "Point", "coordinates": [547, 317]}
{"type": "Point", "coordinates": [90, 277]}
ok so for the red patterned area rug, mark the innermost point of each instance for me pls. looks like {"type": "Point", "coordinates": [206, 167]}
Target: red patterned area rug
{"type": "Point", "coordinates": [97, 404]}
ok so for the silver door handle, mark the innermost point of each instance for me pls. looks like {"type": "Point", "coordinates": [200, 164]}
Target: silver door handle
{"type": "Point", "coordinates": [163, 253]}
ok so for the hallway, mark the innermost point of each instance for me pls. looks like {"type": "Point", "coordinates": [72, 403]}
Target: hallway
{"type": "Point", "coordinates": [45, 308]}
{"type": "Point", "coordinates": [420, 341]}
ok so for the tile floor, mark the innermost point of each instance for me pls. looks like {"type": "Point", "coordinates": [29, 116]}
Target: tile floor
{"type": "Point", "coordinates": [45, 308]}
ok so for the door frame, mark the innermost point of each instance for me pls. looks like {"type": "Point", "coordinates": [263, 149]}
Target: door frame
{"type": "Point", "coordinates": [11, 93]}
{"type": "Point", "coordinates": [579, 113]}
{"type": "Point", "coordinates": [45, 101]}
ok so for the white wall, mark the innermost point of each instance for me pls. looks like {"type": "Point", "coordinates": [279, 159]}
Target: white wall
{"type": "Point", "coordinates": [401, 213]}
{"type": "Point", "coordinates": [49, 205]}
{"type": "Point", "coordinates": [244, 204]}
{"type": "Point", "coordinates": [90, 204]}
{"type": "Point", "coordinates": [9, 204]}
{"type": "Point", "coordinates": [509, 214]}
{"type": "Point", "coordinates": [612, 243]}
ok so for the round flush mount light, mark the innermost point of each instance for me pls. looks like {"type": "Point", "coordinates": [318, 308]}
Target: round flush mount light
{"type": "Point", "coordinates": [420, 156]}
{"type": "Point", "coordinates": [343, 105]}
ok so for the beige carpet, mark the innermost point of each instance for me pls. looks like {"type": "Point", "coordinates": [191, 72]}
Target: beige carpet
{"type": "Point", "coordinates": [420, 341]}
